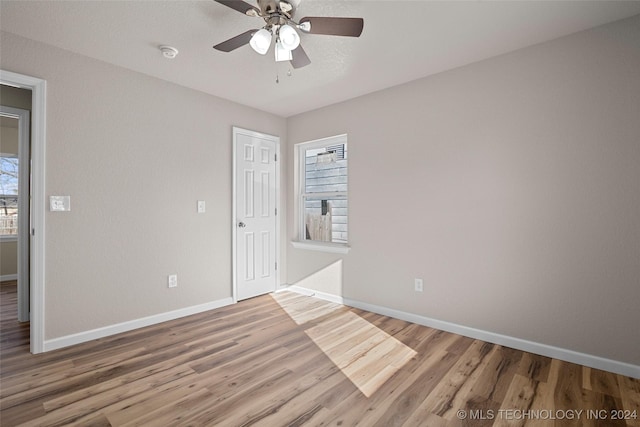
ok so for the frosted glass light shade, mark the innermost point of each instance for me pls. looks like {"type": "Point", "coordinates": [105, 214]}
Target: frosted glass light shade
{"type": "Point", "coordinates": [282, 53]}
{"type": "Point", "coordinates": [261, 41]}
{"type": "Point", "coordinates": [289, 37]}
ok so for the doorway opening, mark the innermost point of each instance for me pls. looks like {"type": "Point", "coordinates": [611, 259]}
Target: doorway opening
{"type": "Point", "coordinates": [15, 177]}
{"type": "Point", "coordinates": [35, 202]}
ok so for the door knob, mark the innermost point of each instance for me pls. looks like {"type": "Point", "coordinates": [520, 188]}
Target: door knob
{"type": "Point", "coordinates": [242, 224]}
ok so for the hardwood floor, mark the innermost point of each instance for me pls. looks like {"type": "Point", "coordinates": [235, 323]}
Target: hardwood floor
{"type": "Point", "coordinates": [291, 360]}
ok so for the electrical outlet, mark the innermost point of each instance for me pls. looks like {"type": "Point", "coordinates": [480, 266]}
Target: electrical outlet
{"type": "Point", "coordinates": [173, 280]}
{"type": "Point", "coordinates": [419, 285]}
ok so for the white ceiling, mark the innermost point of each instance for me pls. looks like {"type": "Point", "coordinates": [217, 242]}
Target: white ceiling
{"type": "Point", "coordinates": [401, 41]}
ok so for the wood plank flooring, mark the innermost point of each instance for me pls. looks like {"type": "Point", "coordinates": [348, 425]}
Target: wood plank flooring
{"type": "Point", "coordinates": [291, 360]}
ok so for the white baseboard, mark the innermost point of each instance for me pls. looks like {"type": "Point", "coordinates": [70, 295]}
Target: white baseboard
{"type": "Point", "coordinates": [584, 359]}
{"type": "Point", "coordinates": [7, 277]}
{"type": "Point", "coordinates": [93, 334]}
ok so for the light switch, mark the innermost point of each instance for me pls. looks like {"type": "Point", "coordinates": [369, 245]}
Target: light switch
{"type": "Point", "coordinates": [59, 203]}
{"type": "Point", "coordinates": [201, 206]}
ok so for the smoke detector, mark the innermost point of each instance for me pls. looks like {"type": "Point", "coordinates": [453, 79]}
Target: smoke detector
{"type": "Point", "coordinates": [168, 52]}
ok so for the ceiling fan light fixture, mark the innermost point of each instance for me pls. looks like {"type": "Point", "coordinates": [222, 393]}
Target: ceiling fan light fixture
{"type": "Point", "coordinates": [282, 53]}
{"type": "Point", "coordinates": [261, 41]}
{"type": "Point", "coordinates": [279, 23]}
{"type": "Point", "coordinates": [288, 37]}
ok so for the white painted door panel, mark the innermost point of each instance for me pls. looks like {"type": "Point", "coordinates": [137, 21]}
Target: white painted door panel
{"type": "Point", "coordinates": [255, 228]}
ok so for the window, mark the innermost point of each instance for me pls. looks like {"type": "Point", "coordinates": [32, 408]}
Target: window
{"type": "Point", "coordinates": [323, 201]}
{"type": "Point", "coordinates": [8, 196]}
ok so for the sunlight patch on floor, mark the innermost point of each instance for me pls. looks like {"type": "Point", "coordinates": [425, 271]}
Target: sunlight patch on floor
{"type": "Point", "coordinates": [303, 309]}
{"type": "Point", "coordinates": [366, 354]}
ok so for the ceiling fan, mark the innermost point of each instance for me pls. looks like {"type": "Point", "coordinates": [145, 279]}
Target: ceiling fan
{"type": "Point", "coordinates": [279, 24]}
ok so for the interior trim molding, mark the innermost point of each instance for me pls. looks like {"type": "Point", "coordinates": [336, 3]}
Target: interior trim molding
{"type": "Point", "coordinates": [81, 337]}
{"type": "Point", "coordinates": [7, 277]}
{"type": "Point", "coordinates": [567, 355]}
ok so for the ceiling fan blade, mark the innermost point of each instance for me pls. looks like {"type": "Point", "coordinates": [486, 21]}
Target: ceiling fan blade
{"type": "Point", "coordinates": [299, 57]}
{"type": "Point", "coordinates": [235, 42]}
{"type": "Point", "coordinates": [351, 27]}
{"type": "Point", "coordinates": [240, 6]}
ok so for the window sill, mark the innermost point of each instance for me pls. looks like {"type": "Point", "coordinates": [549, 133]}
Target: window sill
{"type": "Point", "coordinates": [322, 247]}
{"type": "Point", "coordinates": [9, 238]}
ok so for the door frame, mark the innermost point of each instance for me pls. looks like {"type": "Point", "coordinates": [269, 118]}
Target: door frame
{"type": "Point", "coordinates": [23, 206]}
{"type": "Point", "coordinates": [234, 219]}
{"type": "Point", "coordinates": [38, 89]}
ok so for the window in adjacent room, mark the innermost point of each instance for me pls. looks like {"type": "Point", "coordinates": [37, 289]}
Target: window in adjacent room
{"type": "Point", "coordinates": [8, 196]}
{"type": "Point", "coordinates": [323, 198]}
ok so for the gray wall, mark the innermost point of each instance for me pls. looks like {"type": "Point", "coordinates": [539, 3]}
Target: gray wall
{"type": "Point", "coordinates": [509, 185]}
{"type": "Point", "coordinates": [135, 153]}
{"type": "Point", "coordinates": [15, 97]}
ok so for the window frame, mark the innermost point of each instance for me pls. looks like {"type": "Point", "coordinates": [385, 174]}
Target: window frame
{"type": "Point", "coordinates": [301, 241]}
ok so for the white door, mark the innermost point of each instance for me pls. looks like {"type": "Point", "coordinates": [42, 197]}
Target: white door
{"type": "Point", "coordinates": [255, 211]}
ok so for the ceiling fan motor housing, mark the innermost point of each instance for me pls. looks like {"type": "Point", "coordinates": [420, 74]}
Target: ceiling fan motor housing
{"type": "Point", "coordinates": [268, 6]}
